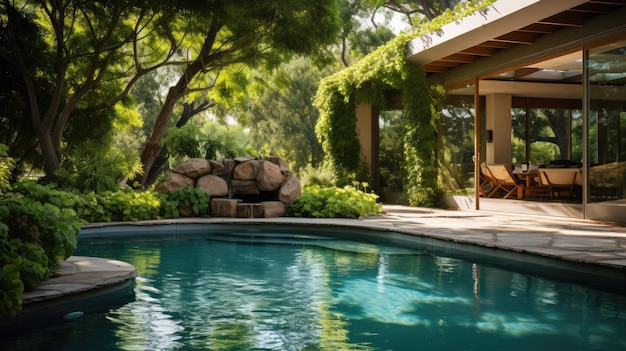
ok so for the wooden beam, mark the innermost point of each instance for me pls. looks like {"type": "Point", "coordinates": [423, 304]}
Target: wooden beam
{"type": "Point", "coordinates": [517, 38]}
{"type": "Point", "coordinates": [523, 72]}
{"type": "Point", "coordinates": [460, 58]}
{"type": "Point", "coordinates": [567, 19]}
{"type": "Point", "coordinates": [496, 45]}
{"type": "Point", "coordinates": [590, 7]}
{"type": "Point", "coordinates": [540, 28]}
{"type": "Point", "coordinates": [479, 51]}
{"type": "Point", "coordinates": [435, 69]}
{"type": "Point", "coordinates": [443, 64]}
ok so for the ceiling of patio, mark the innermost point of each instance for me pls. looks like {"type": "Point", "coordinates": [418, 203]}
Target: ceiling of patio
{"type": "Point", "coordinates": [565, 69]}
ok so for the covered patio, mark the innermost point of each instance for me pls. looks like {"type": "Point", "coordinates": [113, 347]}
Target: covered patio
{"type": "Point", "coordinates": [536, 86]}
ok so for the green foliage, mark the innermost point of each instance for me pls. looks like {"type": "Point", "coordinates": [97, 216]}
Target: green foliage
{"type": "Point", "coordinates": [334, 202]}
{"type": "Point", "coordinates": [11, 288]}
{"type": "Point", "coordinates": [38, 228]}
{"type": "Point", "coordinates": [123, 205]}
{"type": "Point", "coordinates": [6, 167]}
{"type": "Point", "coordinates": [98, 168]}
{"type": "Point", "coordinates": [367, 81]}
{"type": "Point", "coordinates": [391, 150]}
{"type": "Point", "coordinates": [30, 258]}
{"type": "Point", "coordinates": [279, 112]}
{"type": "Point", "coordinates": [53, 228]}
{"type": "Point", "coordinates": [187, 198]}
{"type": "Point", "coordinates": [208, 140]}
{"type": "Point", "coordinates": [323, 175]}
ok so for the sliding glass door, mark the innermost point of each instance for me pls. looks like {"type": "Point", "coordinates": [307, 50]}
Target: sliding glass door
{"type": "Point", "coordinates": [606, 67]}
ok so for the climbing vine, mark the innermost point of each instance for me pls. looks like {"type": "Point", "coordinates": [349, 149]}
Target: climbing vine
{"type": "Point", "coordinates": [367, 81]}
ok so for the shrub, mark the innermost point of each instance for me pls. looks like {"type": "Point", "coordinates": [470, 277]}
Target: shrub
{"type": "Point", "coordinates": [323, 175]}
{"type": "Point", "coordinates": [188, 198]}
{"type": "Point", "coordinates": [34, 237]}
{"type": "Point", "coordinates": [11, 286]}
{"type": "Point", "coordinates": [333, 202]}
{"type": "Point", "coordinates": [124, 205]}
{"type": "Point", "coordinates": [53, 228]}
{"type": "Point", "coordinates": [6, 167]}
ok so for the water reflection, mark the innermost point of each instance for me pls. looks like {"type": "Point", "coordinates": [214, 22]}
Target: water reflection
{"type": "Point", "coordinates": [204, 295]}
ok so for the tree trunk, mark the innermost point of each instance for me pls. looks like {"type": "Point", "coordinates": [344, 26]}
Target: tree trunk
{"type": "Point", "coordinates": [157, 167]}
{"type": "Point", "coordinates": [179, 90]}
{"type": "Point", "coordinates": [153, 146]}
{"type": "Point", "coordinates": [51, 162]}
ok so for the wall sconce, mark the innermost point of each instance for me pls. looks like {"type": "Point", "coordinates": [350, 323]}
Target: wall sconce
{"type": "Point", "coordinates": [489, 135]}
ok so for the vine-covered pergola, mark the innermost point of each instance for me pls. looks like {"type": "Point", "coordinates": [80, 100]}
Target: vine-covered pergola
{"type": "Point", "coordinates": [367, 82]}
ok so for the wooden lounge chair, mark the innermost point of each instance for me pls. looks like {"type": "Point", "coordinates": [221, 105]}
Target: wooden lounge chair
{"type": "Point", "coordinates": [505, 183]}
{"type": "Point", "coordinates": [487, 185]}
{"type": "Point", "coordinates": [562, 180]}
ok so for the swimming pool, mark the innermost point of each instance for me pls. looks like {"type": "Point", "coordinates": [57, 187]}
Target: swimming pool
{"type": "Point", "coordinates": [258, 290]}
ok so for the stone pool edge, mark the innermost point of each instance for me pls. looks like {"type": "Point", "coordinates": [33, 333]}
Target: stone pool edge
{"type": "Point", "coordinates": [80, 277]}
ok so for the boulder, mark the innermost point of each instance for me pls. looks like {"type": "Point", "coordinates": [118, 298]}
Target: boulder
{"type": "Point", "coordinates": [266, 185]}
{"type": "Point", "coordinates": [243, 159]}
{"type": "Point", "coordinates": [244, 187]}
{"type": "Point", "coordinates": [229, 164]}
{"type": "Point", "coordinates": [290, 190]}
{"type": "Point", "coordinates": [193, 168]}
{"type": "Point", "coordinates": [212, 185]}
{"type": "Point", "coordinates": [224, 207]}
{"type": "Point", "coordinates": [268, 176]}
{"type": "Point", "coordinates": [218, 168]}
{"type": "Point", "coordinates": [175, 182]}
{"type": "Point", "coordinates": [284, 166]}
{"type": "Point", "coordinates": [246, 171]}
{"type": "Point", "coordinates": [273, 209]}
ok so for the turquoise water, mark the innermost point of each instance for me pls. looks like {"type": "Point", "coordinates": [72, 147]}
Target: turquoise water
{"type": "Point", "coordinates": [292, 294]}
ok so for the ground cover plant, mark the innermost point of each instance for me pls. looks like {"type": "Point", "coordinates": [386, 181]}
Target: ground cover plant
{"type": "Point", "coordinates": [331, 202]}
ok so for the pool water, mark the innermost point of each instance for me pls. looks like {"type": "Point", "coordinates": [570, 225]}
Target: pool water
{"type": "Point", "coordinates": [219, 294]}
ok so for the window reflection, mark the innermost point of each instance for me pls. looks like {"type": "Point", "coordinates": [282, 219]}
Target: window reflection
{"type": "Point", "coordinates": [555, 134]}
{"type": "Point", "coordinates": [457, 129]}
{"type": "Point", "coordinates": [607, 122]}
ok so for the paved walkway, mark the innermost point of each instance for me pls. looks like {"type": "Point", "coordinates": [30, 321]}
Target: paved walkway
{"type": "Point", "coordinates": [576, 241]}
{"type": "Point", "coordinates": [596, 243]}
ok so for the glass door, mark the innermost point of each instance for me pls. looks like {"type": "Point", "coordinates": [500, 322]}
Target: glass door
{"type": "Point", "coordinates": [606, 67]}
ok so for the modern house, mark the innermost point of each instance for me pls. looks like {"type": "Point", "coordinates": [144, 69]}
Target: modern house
{"type": "Point", "coordinates": [532, 85]}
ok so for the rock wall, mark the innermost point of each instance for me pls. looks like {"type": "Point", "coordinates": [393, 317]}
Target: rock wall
{"type": "Point", "coordinates": [240, 187]}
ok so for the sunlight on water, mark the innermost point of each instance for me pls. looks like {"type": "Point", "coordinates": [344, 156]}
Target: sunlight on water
{"type": "Point", "coordinates": [391, 303]}
{"type": "Point", "coordinates": [514, 325]}
{"type": "Point", "coordinates": [209, 295]}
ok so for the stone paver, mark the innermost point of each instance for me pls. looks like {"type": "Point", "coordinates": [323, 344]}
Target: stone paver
{"type": "Point", "coordinates": [79, 274]}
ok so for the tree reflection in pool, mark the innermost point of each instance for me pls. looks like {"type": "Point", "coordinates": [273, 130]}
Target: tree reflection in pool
{"type": "Point", "coordinates": [320, 293]}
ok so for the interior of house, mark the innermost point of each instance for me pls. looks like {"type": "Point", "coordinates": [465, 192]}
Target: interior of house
{"type": "Point", "coordinates": [534, 117]}
{"type": "Point", "coordinates": [533, 132]}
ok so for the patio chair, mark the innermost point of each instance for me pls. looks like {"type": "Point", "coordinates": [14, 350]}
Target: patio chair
{"type": "Point", "coordinates": [486, 185]}
{"type": "Point", "coordinates": [562, 180]}
{"type": "Point", "coordinates": [505, 182]}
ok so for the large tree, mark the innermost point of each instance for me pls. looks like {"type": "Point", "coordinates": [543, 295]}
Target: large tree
{"type": "Point", "coordinates": [278, 109]}
{"type": "Point", "coordinates": [411, 10]}
{"type": "Point", "coordinates": [93, 52]}
{"type": "Point", "coordinates": [246, 31]}
{"type": "Point", "coordinates": [97, 50]}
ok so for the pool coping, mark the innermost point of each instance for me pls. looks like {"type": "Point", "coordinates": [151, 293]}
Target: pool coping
{"type": "Point", "coordinates": [77, 283]}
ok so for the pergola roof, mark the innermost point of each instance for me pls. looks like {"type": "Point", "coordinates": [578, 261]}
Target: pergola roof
{"type": "Point", "coordinates": [503, 26]}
